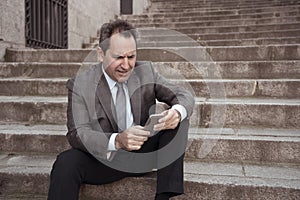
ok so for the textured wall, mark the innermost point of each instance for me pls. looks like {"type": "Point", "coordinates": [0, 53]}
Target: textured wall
{"type": "Point", "coordinates": [12, 17]}
{"type": "Point", "coordinates": [86, 17]}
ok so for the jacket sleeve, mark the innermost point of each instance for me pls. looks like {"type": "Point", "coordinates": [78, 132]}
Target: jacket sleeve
{"type": "Point", "coordinates": [172, 94]}
{"type": "Point", "coordinates": [80, 133]}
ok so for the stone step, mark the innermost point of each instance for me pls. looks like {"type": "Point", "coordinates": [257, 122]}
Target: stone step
{"type": "Point", "coordinates": [217, 8]}
{"type": "Point", "coordinates": [240, 112]}
{"type": "Point", "coordinates": [245, 88]}
{"type": "Point", "coordinates": [230, 70]}
{"type": "Point", "coordinates": [210, 144]}
{"type": "Point", "coordinates": [42, 139]}
{"type": "Point", "coordinates": [231, 22]}
{"type": "Point", "coordinates": [223, 29]}
{"type": "Point", "coordinates": [214, 5]}
{"type": "Point", "coordinates": [279, 88]}
{"type": "Point", "coordinates": [223, 12]}
{"type": "Point", "coordinates": [172, 4]}
{"type": "Point", "coordinates": [169, 35]}
{"type": "Point", "coordinates": [33, 109]}
{"type": "Point", "coordinates": [234, 42]}
{"type": "Point", "coordinates": [209, 2]}
{"type": "Point", "coordinates": [167, 54]}
{"type": "Point", "coordinates": [25, 86]}
{"type": "Point", "coordinates": [233, 53]}
{"type": "Point", "coordinates": [173, 70]}
{"type": "Point", "coordinates": [30, 175]}
{"type": "Point", "coordinates": [277, 14]}
{"type": "Point", "coordinates": [39, 69]}
{"type": "Point", "coordinates": [225, 112]}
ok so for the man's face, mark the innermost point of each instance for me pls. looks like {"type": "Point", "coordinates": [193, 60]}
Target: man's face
{"type": "Point", "coordinates": [119, 60]}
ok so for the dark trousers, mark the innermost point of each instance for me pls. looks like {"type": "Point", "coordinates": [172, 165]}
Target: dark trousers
{"type": "Point", "coordinates": [74, 167]}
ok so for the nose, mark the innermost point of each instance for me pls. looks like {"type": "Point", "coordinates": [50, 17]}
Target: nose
{"type": "Point", "coordinates": [125, 64]}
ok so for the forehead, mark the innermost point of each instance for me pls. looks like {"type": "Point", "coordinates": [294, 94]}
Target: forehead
{"type": "Point", "coordinates": [121, 45]}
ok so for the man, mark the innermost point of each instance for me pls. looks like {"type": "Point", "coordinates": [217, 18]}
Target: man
{"type": "Point", "coordinates": [108, 105]}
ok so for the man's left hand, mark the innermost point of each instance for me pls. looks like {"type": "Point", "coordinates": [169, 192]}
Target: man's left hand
{"type": "Point", "coordinates": [169, 121]}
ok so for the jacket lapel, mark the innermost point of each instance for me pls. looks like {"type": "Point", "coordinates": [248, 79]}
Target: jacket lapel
{"type": "Point", "coordinates": [106, 101]}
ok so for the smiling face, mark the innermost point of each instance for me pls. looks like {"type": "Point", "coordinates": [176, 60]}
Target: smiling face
{"type": "Point", "coordinates": [119, 59]}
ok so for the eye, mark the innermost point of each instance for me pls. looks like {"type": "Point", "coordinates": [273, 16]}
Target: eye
{"type": "Point", "coordinates": [130, 57]}
{"type": "Point", "coordinates": [118, 57]}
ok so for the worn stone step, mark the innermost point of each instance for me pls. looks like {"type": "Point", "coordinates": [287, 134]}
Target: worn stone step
{"type": "Point", "coordinates": [249, 42]}
{"type": "Point", "coordinates": [213, 4]}
{"type": "Point", "coordinates": [240, 112]}
{"type": "Point", "coordinates": [211, 144]}
{"type": "Point", "coordinates": [277, 14]}
{"type": "Point", "coordinates": [33, 109]}
{"type": "Point", "coordinates": [24, 86]}
{"type": "Point", "coordinates": [39, 69]}
{"type": "Point", "coordinates": [50, 55]}
{"type": "Point", "coordinates": [280, 88]}
{"type": "Point", "coordinates": [205, 11]}
{"type": "Point", "coordinates": [186, 43]}
{"type": "Point", "coordinates": [225, 112]}
{"type": "Point", "coordinates": [222, 12]}
{"type": "Point", "coordinates": [174, 70]}
{"type": "Point", "coordinates": [165, 54]}
{"type": "Point", "coordinates": [225, 29]}
{"type": "Point", "coordinates": [234, 53]}
{"type": "Point", "coordinates": [216, 8]}
{"type": "Point", "coordinates": [236, 42]}
{"type": "Point", "coordinates": [169, 35]}
{"type": "Point", "coordinates": [44, 138]}
{"type": "Point", "coordinates": [230, 70]}
{"type": "Point", "coordinates": [202, 180]}
{"type": "Point", "coordinates": [209, 2]}
{"type": "Point", "coordinates": [245, 88]}
{"type": "Point", "coordinates": [250, 145]}
{"type": "Point", "coordinates": [231, 22]}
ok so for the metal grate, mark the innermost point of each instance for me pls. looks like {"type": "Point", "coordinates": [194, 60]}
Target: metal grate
{"type": "Point", "coordinates": [46, 24]}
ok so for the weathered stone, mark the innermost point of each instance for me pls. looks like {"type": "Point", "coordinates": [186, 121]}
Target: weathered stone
{"type": "Point", "coordinates": [205, 180]}
{"type": "Point", "coordinates": [282, 69]}
{"type": "Point", "coordinates": [227, 145]}
{"type": "Point", "coordinates": [245, 145]}
{"type": "Point", "coordinates": [33, 110]}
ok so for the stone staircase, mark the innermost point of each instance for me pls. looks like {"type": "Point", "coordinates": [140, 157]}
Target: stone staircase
{"type": "Point", "coordinates": [241, 58]}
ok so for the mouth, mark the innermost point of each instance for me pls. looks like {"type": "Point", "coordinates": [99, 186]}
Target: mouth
{"type": "Point", "coordinates": [123, 72]}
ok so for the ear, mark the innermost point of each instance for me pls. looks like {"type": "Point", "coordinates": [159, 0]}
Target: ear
{"type": "Point", "coordinates": [100, 54]}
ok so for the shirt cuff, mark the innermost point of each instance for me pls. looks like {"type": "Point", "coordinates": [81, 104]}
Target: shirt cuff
{"type": "Point", "coordinates": [111, 143]}
{"type": "Point", "coordinates": [181, 110]}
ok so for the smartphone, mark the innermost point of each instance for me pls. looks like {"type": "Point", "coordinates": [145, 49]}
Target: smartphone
{"type": "Point", "coordinates": [152, 120]}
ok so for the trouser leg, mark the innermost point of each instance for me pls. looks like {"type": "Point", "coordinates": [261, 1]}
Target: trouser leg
{"type": "Point", "coordinates": [170, 160]}
{"type": "Point", "coordinates": [73, 168]}
{"type": "Point", "coordinates": [170, 146]}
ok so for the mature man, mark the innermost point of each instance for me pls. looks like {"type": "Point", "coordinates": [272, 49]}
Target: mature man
{"type": "Point", "coordinates": [108, 105]}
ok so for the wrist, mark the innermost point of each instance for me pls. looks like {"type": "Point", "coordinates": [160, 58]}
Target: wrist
{"type": "Point", "coordinates": [117, 143]}
{"type": "Point", "coordinates": [179, 114]}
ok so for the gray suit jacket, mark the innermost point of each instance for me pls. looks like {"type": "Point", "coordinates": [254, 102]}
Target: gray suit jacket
{"type": "Point", "coordinates": [91, 113]}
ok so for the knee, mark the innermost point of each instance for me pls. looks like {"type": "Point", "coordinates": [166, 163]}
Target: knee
{"type": "Point", "coordinates": [67, 163]}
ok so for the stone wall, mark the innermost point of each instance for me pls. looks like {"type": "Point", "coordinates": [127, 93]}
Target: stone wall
{"type": "Point", "coordinates": [12, 31]}
{"type": "Point", "coordinates": [86, 17]}
{"type": "Point", "coordinates": [140, 6]}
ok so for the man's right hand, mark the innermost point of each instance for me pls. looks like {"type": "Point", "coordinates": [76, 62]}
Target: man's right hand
{"type": "Point", "coordinates": [132, 138]}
